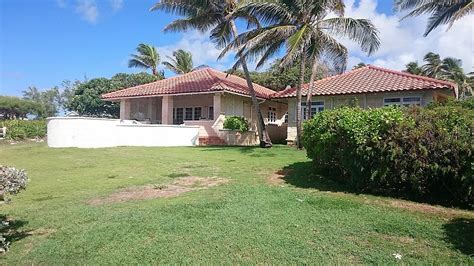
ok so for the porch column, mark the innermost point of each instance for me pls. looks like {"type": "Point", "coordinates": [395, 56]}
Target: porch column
{"type": "Point", "coordinates": [217, 104]}
{"type": "Point", "coordinates": [125, 109]}
{"type": "Point", "coordinates": [167, 110]}
{"type": "Point", "coordinates": [151, 109]}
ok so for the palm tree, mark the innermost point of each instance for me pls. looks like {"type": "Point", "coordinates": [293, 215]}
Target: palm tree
{"type": "Point", "coordinates": [452, 70]}
{"type": "Point", "coordinates": [413, 68]}
{"type": "Point", "coordinates": [181, 62]}
{"type": "Point", "coordinates": [360, 65]}
{"type": "Point", "coordinates": [433, 65]}
{"type": "Point", "coordinates": [147, 57]}
{"type": "Point", "coordinates": [308, 35]}
{"type": "Point", "coordinates": [216, 16]}
{"type": "Point", "coordinates": [449, 69]}
{"type": "Point", "coordinates": [441, 11]}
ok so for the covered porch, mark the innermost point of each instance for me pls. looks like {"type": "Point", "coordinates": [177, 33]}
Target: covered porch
{"type": "Point", "coordinates": [172, 109]}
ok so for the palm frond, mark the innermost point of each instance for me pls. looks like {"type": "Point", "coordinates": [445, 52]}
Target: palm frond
{"type": "Point", "coordinates": [362, 31]}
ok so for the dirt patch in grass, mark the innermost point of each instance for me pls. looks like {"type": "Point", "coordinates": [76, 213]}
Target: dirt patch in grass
{"type": "Point", "coordinates": [176, 188]}
{"type": "Point", "coordinates": [447, 213]}
{"type": "Point", "coordinates": [277, 178]}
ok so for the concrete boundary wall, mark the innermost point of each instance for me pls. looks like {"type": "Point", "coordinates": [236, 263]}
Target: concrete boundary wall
{"type": "Point", "coordinates": [85, 132]}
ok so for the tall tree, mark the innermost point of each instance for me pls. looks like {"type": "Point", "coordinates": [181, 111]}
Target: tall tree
{"type": "Point", "coordinates": [440, 11]}
{"type": "Point", "coordinates": [181, 62]}
{"type": "Point", "coordinates": [413, 68]}
{"type": "Point", "coordinates": [452, 70]}
{"type": "Point", "coordinates": [308, 35]}
{"type": "Point", "coordinates": [147, 57]}
{"type": "Point", "coordinates": [433, 65]}
{"type": "Point", "coordinates": [87, 95]}
{"type": "Point", "coordinates": [448, 68]}
{"type": "Point", "coordinates": [216, 16]}
{"type": "Point", "coordinates": [50, 100]}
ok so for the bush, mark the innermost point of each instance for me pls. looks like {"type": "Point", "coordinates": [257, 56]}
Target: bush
{"type": "Point", "coordinates": [12, 181]}
{"type": "Point", "coordinates": [236, 123]}
{"type": "Point", "coordinates": [422, 154]}
{"type": "Point", "coordinates": [24, 129]}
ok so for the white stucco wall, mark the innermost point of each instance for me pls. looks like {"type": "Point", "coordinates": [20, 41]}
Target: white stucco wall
{"type": "Point", "coordinates": [85, 132]}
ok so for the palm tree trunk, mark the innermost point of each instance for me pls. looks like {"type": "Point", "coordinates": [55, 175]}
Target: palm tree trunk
{"type": "Point", "coordinates": [314, 70]}
{"type": "Point", "coordinates": [299, 145]}
{"type": "Point", "coordinates": [265, 141]}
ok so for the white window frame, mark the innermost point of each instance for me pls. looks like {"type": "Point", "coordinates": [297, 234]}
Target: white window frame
{"type": "Point", "coordinates": [184, 113]}
{"type": "Point", "coordinates": [272, 114]}
{"type": "Point", "coordinates": [402, 101]}
{"type": "Point", "coordinates": [319, 105]}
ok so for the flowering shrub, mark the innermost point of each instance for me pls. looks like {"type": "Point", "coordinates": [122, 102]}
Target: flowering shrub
{"type": "Point", "coordinates": [236, 123]}
{"type": "Point", "coordinates": [424, 154]}
{"type": "Point", "coordinates": [12, 181]}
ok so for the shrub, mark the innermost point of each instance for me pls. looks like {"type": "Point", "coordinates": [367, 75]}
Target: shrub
{"type": "Point", "coordinates": [422, 154]}
{"type": "Point", "coordinates": [12, 181]}
{"type": "Point", "coordinates": [24, 129]}
{"type": "Point", "coordinates": [236, 123]}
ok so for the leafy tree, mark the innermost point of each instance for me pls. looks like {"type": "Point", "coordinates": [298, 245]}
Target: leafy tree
{"type": "Point", "coordinates": [147, 57]}
{"type": "Point", "coordinates": [440, 11]}
{"type": "Point", "coordinates": [87, 96]}
{"type": "Point", "coordinates": [87, 99]}
{"type": "Point", "coordinates": [50, 100]}
{"type": "Point", "coordinates": [308, 34]}
{"type": "Point", "coordinates": [276, 78]}
{"type": "Point", "coordinates": [67, 93]}
{"type": "Point", "coordinates": [218, 17]}
{"type": "Point", "coordinates": [16, 108]}
{"type": "Point", "coordinates": [181, 62]}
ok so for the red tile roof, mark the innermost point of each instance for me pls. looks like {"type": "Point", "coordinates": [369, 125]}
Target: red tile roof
{"type": "Point", "coordinates": [203, 80]}
{"type": "Point", "coordinates": [369, 79]}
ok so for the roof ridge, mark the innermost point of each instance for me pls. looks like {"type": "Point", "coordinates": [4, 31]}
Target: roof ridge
{"type": "Point", "coordinates": [326, 78]}
{"type": "Point", "coordinates": [401, 73]}
{"type": "Point", "coordinates": [157, 81]}
{"type": "Point", "coordinates": [235, 76]}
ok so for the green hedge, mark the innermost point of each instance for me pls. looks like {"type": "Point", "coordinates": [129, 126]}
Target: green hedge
{"type": "Point", "coordinates": [24, 129]}
{"type": "Point", "coordinates": [236, 123]}
{"type": "Point", "coordinates": [418, 153]}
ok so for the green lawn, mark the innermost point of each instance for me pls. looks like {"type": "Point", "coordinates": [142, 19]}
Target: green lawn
{"type": "Point", "coordinates": [307, 219]}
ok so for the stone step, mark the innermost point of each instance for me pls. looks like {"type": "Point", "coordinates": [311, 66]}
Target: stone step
{"type": "Point", "coordinates": [211, 140]}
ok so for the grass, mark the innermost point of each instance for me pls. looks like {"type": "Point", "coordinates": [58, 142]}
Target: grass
{"type": "Point", "coordinates": [308, 219]}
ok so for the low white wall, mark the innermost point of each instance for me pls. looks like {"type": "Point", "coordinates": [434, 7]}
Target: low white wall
{"type": "Point", "coordinates": [84, 132]}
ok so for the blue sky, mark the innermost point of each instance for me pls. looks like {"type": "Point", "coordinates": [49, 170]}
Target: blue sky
{"type": "Point", "coordinates": [44, 42]}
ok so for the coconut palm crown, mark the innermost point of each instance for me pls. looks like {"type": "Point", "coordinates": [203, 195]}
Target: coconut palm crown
{"type": "Point", "coordinates": [181, 62]}
{"type": "Point", "coordinates": [147, 57]}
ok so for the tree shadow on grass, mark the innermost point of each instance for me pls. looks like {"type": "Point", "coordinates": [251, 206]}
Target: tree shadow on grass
{"type": "Point", "coordinates": [303, 175]}
{"type": "Point", "coordinates": [11, 229]}
{"type": "Point", "coordinates": [460, 232]}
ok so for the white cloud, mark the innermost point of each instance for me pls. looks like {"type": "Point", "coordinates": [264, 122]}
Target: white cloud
{"type": "Point", "coordinates": [203, 50]}
{"type": "Point", "coordinates": [88, 10]}
{"type": "Point", "coordinates": [403, 41]}
{"type": "Point", "coordinates": [116, 5]}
